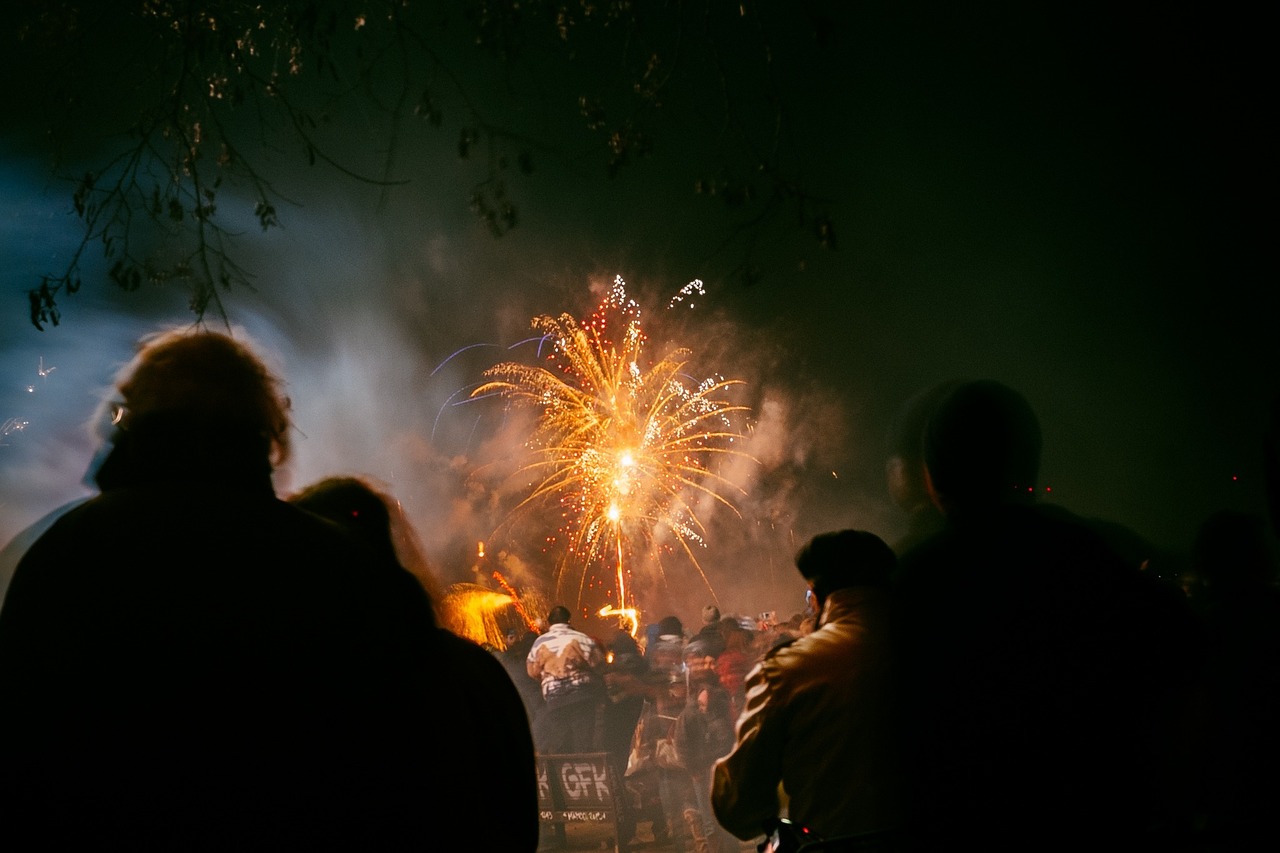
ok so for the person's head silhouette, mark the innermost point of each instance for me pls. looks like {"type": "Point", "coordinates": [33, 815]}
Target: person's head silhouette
{"type": "Point", "coordinates": [982, 448]}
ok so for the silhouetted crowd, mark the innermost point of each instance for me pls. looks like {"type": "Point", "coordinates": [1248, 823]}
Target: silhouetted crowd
{"type": "Point", "coordinates": [190, 662]}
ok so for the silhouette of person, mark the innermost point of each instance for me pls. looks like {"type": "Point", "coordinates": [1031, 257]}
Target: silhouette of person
{"type": "Point", "coordinates": [189, 662]}
{"type": "Point", "coordinates": [818, 715]}
{"type": "Point", "coordinates": [492, 770]}
{"type": "Point", "coordinates": [1040, 672]}
{"type": "Point", "coordinates": [1271, 463]}
{"type": "Point", "coordinates": [627, 685]}
{"type": "Point", "coordinates": [905, 469]}
{"type": "Point", "coordinates": [1234, 558]}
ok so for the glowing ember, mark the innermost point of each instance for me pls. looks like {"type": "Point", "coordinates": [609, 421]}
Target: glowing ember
{"type": "Point", "coordinates": [516, 602]}
{"type": "Point", "coordinates": [628, 613]}
{"type": "Point", "coordinates": [624, 446]}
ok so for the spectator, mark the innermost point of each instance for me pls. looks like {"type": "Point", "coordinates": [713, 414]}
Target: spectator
{"type": "Point", "coordinates": [513, 659]}
{"type": "Point", "coordinates": [734, 662]}
{"type": "Point", "coordinates": [656, 748]}
{"type": "Point", "coordinates": [818, 718]}
{"type": "Point", "coordinates": [628, 687]}
{"type": "Point", "coordinates": [1234, 558]}
{"type": "Point", "coordinates": [481, 696]}
{"type": "Point", "coordinates": [666, 652]}
{"type": "Point", "coordinates": [710, 634]}
{"type": "Point", "coordinates": [1041, 671]}
{"type": "Point", "coordinates": [568, 663]}
{"type": "Point", "coordinates": [905, 467]}
{"type": "Point", "coordinates": [703, 733]}
{"type": "Point", "coordinates": [190, 663]}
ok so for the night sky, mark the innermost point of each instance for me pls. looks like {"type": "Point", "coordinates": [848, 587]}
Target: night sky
{"type": "Point", "coordinates": [1070, 199]}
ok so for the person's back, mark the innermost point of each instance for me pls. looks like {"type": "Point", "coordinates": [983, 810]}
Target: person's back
{"type": "Point", "coordinates": [818, 717]}
{"type": "Point", "coordinates": [471, 753]}
{"type": "Point", "coordinates": [189, 663]}
{"type": "Point", "coordinates": [1239, 605]}
{"type": "Point", "coordinates": [1036, 665]}
{"type": "Point", "coordinates": [192, 668]}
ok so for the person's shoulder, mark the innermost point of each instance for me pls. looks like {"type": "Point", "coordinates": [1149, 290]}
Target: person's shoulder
{"type": "Point", "coordinates": [465, 650]}
{"type": "Point", "coordinates": [473, 665]}
{"type": "Point", "coordinates": [783, 652]}
{"type": "Point", "coordinates": [582, 637]}
{"type": "Point", "coordinates": [69, 527]}
{"type": "Point", "coordinates": [293, 526]}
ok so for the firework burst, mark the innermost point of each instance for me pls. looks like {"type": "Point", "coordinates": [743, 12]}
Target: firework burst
{"type": "Point", "coordinates": [626, 446]}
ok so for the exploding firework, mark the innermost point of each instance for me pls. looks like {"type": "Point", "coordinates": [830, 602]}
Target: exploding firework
{"type": "Point", "coordinates": [626, 447]}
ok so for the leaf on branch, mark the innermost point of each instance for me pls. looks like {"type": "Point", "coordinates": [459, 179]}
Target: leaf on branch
{"type": "Point", "coordinates": [266, 214]}
{"type": "Point", "coordinates": [82, 194]}
{"type": "Point", "coordinates": [44, 309]}
{"type": "Point", "coordinates": [126, 276]}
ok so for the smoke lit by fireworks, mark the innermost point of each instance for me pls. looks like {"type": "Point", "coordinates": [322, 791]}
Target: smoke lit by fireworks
{"type": "Point", "coordinates": [625, 445]}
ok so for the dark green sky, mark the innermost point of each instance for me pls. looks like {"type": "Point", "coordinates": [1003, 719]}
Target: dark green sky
{"type": "Point", "coordinates": [1071, 199]}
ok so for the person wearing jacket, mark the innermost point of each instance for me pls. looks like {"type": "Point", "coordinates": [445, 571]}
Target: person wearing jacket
{"type": "Point", "coordinates": [814, 741]}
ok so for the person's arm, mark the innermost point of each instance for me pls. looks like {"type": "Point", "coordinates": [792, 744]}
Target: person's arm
{"type": "Point", "coordinates": [533, 663]}
{"type": "Point", "coordinates": [595, 656]}
{"type": "Point", "coordinates": [744, 784]}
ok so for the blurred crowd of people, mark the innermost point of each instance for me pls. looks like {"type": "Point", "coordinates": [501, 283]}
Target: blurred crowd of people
{"type": "Point", "coordinates": [189, 661]}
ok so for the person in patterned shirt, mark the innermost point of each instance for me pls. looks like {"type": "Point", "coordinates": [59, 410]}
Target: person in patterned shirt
{"type": "Point", "coordinates": [568, 663]}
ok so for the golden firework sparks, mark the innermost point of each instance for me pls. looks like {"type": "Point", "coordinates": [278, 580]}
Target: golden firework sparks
{"type": "Point", "coordinates": [626, 447]}
{"type": "Point", "coordinates": [472, 611]}
{"type": "Point", "coordinates": [516, 602]}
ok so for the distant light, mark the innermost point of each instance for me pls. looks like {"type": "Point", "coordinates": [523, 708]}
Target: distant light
{"type": "Point", "coordinates": [834, 474]}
